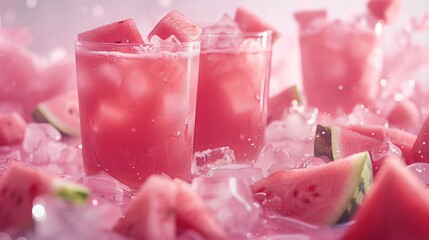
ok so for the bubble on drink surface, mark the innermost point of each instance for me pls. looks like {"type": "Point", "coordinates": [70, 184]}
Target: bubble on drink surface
{"type": "Point", "coordinates": [421, 170]}
{"type": "Point", "coordinates": [232, 202]}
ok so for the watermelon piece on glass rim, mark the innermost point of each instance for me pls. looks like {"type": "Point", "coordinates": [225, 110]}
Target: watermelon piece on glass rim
{"type": "Point", "coordinates": [124, 31]}
{"type": "Point", "coordinates": [385, 10]}
{"type": "Point", "coordinates": [175, 23]}
{"type": "Point", "coordinates": [420, 149]}
{"type": "Point", "coordinates": [396, 207]}
{"type": "Point", "coordinates": [250, 22]}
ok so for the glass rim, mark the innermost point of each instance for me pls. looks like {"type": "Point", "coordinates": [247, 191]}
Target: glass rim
{"type": "Point", "coordinates": [259, 34]}
{"type": "Point", "coordinates": [163, 43]}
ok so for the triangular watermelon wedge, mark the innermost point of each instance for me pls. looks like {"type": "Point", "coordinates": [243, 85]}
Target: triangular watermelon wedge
{"type": "Point", "coordinates": [250, 22]}
{"type": "Point", "coordinates": [396, 208]}
{"type": "Point", "coordinates": [321, 195]}
{"type": "Point", "coordinates": [420, 149]}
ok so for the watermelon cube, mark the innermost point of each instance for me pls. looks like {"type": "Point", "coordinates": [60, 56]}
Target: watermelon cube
{"type": "Point", "coordinates": [124, 31]}
{"type": "Point", "coordinates": [12, 128]}
{"type": "Point", "coordinates": [175, 23]}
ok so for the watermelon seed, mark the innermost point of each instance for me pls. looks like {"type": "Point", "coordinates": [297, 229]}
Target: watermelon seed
{"type": "Point", "coordinates": [295, 193]}
{"type": "Point", "coordinates": [306, 200]}
{"type": "Point", "coordinates": [311, 188]}
{"type": "Point", "coordinates": [316, 194]}
{"type": "Point", "coordinates": [18, 201]}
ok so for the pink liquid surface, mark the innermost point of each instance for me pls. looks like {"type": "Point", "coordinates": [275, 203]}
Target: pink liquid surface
{"type": "Point", "coordinates": [232, 99]}
{"type": "Point", "coordinates": [137, 112]}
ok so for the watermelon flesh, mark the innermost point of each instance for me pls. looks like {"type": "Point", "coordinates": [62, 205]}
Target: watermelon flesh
{"type": "Point", "coordinates": [175, 23]}
{"type": "Point", "coordinates": [62, 112]}
{"type": "Point", "coordinates": [281, 102]}
{"type": "Point", "coordinates": [124, 31]}
{"type": "Point", "coordinates": [250, 22]}
{"type": "Point", "coordinates": [420, 149]}
{"type": "Point", "coordinates": [12, 128]}
{"type": "Point", "coordinates": [396, 207]}
{"type": "Point", "coordinates": [163, 208]}
{"type": "Point", "coordinates": [385, 10]}
{"type": "Point", "coordinates": [330, 198]}
{"type": "Point", "coordinates": [404, 115]}
{"type": "Point", "coordinates": [18, 188]}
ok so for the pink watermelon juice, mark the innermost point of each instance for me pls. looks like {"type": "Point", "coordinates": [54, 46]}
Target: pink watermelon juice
{"type": "Point", "coordinates": [137, 108]}
{"type": "Point", "coordinates": [341, 64]}
{"type": "Point", "coordinates": [232, 92]}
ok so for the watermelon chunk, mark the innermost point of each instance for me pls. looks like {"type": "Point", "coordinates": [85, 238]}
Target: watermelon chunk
{"type": "Point", "coordinates": [331, 197]}
{"type": "Point", "coordinates": [250, 22]}
{"type": "Point", "coordinates": [192, 211]}
{"type": "Point", "coordinates": [404, 115]}
{"type": "Point", "coordinates": [152, 213]}
{"type": "Point", "coordinates": [124, 31]}
{"type": "Point", "coordinates": [62, 112]}
{"type": "Point", "coordinates": [402, 139]}
{"type": "Point", "coordinates": [337, 142]}
{"type": "Point", "coordinates": [281, 102]}
{"type": "Point", "coordinates": [12, 128]}
{"type": "Point", "coordinates": [20, 185]}
{"type": "Point", "coordinates": [396, 207]}
{"type": "Point", "coordinates": [175, 23]}
{"type": "Point", "coordinates": [420, 149]}
{"type": "Point", "coordinates": [386, 10]}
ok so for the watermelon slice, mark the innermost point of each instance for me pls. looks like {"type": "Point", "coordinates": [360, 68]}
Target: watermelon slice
{"type": "Point", "coordinates": [20, 185]}
{"type": "Point", "coordinates": [402, 139]}
{"type": "Point", "coordinates": [175, 23]}
{"type": "Point", "coordinates": [124, 31]}
{"type": "Point", "coordinates": [281, 102]}
{"type": "Point", "coordinates": [331, 197]}
{"type": "Point", "coordinates": [404, 115]}
{"type": "Point", "coordinates": [192, 211]}
{"type": "Point", "coordinates": [62, 112]}
{"type": "Point", "coordinates": [152, 213]}
{"type": "Point", "coordinates": [337, 142]}
{"type": "Point", "coordinates": [420, 150]}
{"type": "Point", "coordinates": [12, 128]}
{"type": "Point", "coordinates": [396, 207]}
{"type": "Point", "coordinates": [250, 22]}
{"type": "Point", "coordinates": [385, 10]}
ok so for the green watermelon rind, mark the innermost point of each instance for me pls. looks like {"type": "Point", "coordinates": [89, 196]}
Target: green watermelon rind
{"type": "Point", "coordinates": [70, 192]}
{"type": "Point", "coordinates": [43, 113]}
{"type": "Point", "coordinates": [363, 186]}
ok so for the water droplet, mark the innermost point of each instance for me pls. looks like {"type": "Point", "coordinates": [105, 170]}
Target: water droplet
{"type": "Point", "coordinates": [340, 87]}
{"type": "Point", "coordinates": [383, 82]}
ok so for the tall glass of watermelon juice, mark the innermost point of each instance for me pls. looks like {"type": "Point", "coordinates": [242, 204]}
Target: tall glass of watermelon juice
{"type": "Point", "coordinates": [341, 63]}
{"type": "Point", "coordinates": [137, 108]}
{"type": "Point", "coordinates": [232, 92]}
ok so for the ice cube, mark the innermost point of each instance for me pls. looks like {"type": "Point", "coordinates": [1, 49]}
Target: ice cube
{"type": "Point", "coordinates": [107, 188]}
{"type": "Point", "coordinates": [225, 24]}
{"type": "Point", "coordinates": [42, 143]}
{"type": "Point", "coordinates": [242, 171]}
{"type": "Point", "coordinates": [56, 219]}
{"type": "Point", "coordinates": [206, 160]}
{"type": "Point", "coordinates": [232, 202]}
{"type": "Point", "coordinates": [421, 170]}
{"type": "Point", "coordinates": [271, 156]}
